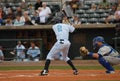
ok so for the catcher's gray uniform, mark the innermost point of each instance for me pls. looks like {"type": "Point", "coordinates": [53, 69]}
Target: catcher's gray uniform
{"type": "Point", "coordinates": [109, 54]}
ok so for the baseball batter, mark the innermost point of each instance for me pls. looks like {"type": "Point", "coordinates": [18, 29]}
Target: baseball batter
{"type": "Point", "coordinates": [106, 55]}
{"type": "Point", "coordinates": [62, 45]}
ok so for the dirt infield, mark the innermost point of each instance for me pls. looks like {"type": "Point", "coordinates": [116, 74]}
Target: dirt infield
{"type": "Point", "coordinates": [59, 75]}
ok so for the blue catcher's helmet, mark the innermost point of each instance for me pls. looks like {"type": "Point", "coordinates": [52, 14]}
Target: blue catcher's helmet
{"type": "Point", "coordinates": [96, 40]}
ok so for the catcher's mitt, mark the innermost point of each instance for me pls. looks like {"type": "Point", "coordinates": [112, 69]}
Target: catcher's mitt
{"type": "Point", "coordinates": [83, 51]}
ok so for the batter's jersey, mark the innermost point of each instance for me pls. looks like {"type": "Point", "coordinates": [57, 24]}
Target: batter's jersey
{"type": "Point", "coordinates": [62, 30]}
{"type": "Point", "coordinates": [107, 50]}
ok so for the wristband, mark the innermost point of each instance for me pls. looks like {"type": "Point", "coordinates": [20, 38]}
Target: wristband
{"type": "Point", "coordinates": [90, 54]}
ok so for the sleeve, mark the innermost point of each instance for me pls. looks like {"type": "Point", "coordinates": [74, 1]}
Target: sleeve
{"type": "Point", "coordinates": [23, 47]}
{"type": "Point", "coordinates": [71, 28]}
{"type": "Point", "coordinates": [49, 10]}
{"type": "Point", "coordinates": [104, 50]}
{"type": "Point", "coordinates": [38, 50]}
{"type": "Point", "coordinates": [1, 53]}
{"type": "Point", "coordinates": [15, 23]}
{"type": "Point", "coordinates": [28, 52]}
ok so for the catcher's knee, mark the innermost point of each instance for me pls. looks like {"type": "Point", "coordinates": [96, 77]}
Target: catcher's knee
{"type": "Point", "coordinates": [101, 60]}
{"type": "Point", "coordinates": [106, 64]}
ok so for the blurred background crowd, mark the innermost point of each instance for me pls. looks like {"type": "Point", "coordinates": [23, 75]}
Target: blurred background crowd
{"type": "Point", "coordinates": [21, 12]}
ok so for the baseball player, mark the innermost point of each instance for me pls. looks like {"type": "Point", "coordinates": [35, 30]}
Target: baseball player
{"type": "Point", "coordinates": [20, 51]}
{"type": "Point", "coordinates": [62, 45]}
{"type": "Point", "coordinates": [33, 52]}
{"type": "Point", "coordinates": [106, 55]}
{"type": "Point", "coordinates": [1, 54]}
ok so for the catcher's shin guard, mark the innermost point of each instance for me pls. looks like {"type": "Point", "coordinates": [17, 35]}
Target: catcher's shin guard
{"type": "Point", "coordinates": [105, 64]}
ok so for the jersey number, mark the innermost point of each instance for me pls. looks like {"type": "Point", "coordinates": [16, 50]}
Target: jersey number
{"type": "Point", "coordinates": [59, 28]}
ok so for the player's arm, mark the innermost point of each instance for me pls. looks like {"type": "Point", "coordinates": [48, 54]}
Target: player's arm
{"type": "Point", "coordinates": [38, 51]}
{"type": "Point", "coordinates": [29, 51]}
{"type": "Point", "coordinates": [24, 49]}
{"type": "Point", "coordinates": [71, 28]}
{"type": "Point", "coordinates": [84, 52]}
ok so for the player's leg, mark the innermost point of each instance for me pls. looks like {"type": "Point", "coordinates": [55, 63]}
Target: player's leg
{"type": "Point", "coordinates": [50, 57]}
{"type": "Point", "coordinates": [106, 64]}
{"type": "Point", "coordinates": [113, 60]}
{"type": "Point", "coordinates": [45, 71]}
{"type": "Point", "coordinates": [67, 59]}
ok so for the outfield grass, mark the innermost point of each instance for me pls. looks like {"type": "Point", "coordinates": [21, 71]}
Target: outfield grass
{"type": "Point", "coordinates": [52, 67]}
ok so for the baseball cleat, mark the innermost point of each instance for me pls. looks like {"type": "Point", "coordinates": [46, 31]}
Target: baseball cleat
{"type": "Point", "coordinates": [44, 72]}
{"type": "Point", "coordinates": [75, 72]}
{"type": "Point", "coordinates": [110, 72]}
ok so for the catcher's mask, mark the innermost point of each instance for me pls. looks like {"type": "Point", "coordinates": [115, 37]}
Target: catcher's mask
{"type": "Point", "coordinates": [96, 40]}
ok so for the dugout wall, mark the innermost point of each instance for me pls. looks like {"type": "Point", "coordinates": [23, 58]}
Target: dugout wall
{"type": "Point", "coordinates": [82, 36]}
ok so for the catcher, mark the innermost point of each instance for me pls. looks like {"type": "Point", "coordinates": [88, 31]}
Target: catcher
{"type": "Point", "coordinates": [106, 55]}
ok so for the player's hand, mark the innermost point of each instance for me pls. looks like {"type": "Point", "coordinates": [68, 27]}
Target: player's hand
{"type": "Point", "coordinates": [83, 51]}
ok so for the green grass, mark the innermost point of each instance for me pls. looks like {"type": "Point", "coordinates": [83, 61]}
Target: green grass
{"type": "Point", "coordinates": [52, 67]}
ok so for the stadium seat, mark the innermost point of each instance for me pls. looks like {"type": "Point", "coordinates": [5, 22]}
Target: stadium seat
{"type": "Point", "coordinates": [86, 7]}
{"type": "Point", "coordinates": [97, 3]}
{"type": "Point", "coordinates": [92, 20]}
{"type": "Point", "coordinates": [1, 4]}
{"type": "Point", "coordinates": [94, 15]}
{"type": "Point", "coordinates": [90, 11]}
{"type": "Point", "coordinates": [84, 16]}
{"type": "Point", "coordinates": [88, 3]}
{"type": "Point", "coordinates": [100, 11]}
{"type": "Point", "coordinates": [14, 8]}
{"type": "Point", "coordinates": [107, 11]}
{"type": "Point", "coordinates": [104, 15]}
{"type": "Point", "coordinates": [83, 20]}
{"type": "Point", "coordinates": [80, 11]}
{"type": "Point", "coordinates": [101, 20]}
{"type": "Point", "coordinates": [17, 4]}
{"type": "Point", "coordinates": [54, 7]}
{"type": "Point", "coordinates": [10, 4]}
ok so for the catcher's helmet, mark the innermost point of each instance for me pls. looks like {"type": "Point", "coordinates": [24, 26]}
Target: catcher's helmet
{"type": "Point", "coordinates": [96, 40]}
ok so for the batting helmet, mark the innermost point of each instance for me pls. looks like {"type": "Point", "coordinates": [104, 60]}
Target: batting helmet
{"type": "Point", "coordinates": [96, 40]}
